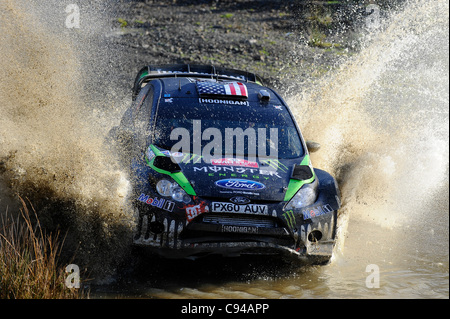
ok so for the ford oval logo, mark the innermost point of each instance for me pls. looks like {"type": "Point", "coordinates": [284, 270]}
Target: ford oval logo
{"type": "Point", "coordinates": [240, 184]}
{"type": "Point", "coordinates": [239, 200]}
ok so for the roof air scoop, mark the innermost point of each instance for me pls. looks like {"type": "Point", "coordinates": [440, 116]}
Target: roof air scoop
{"type": "Point", "coordinates": [264, 96]}
{"type": "Point", "coordinates": [232, 90]}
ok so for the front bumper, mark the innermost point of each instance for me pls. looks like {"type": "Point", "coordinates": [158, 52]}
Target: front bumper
{"type": "Point", "coordinates": [195, 230]}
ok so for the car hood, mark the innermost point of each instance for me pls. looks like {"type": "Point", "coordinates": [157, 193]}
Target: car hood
{"type": "Point", "coordinates": [225, 178]}
{"type": "Point", "coordinates": [261, 179]}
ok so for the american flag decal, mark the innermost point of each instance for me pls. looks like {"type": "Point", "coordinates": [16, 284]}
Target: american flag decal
{"type": "Point", "coordinates": [230, 89]}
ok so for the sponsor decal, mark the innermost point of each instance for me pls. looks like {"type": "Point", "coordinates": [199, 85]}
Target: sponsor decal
{"type": "Point", "coordinates": [239, 229]}
{"type": "Point", "coordinates": [218, 101]}
{"type": "Point", "coordinates": [243, 171]}
{"type": "Point", "coordinates": [234, 162]}
{"type": "Point", "coordinates": [177, 154]}
{"type": "Point", "coordinates": [238, 192]}
{"type": "Point", "coordinates": [290, 218]}
{"type": "Point", "coordinates": [218, 207]}
{"type": "Point", "coordinates": [240, 200]}
{"type": "Point", "coordinates": [188, 158]}
{"type": "Point", "coordinates": [233, 89]}
{"type": "Point", "coordinates": [155, 202]}
{"type": "Point", "coordinates": [240, 184]}
{"type": "Point", "coordinates": [317, 211]}
{"type": "Point", "coordinates": [276, 165]}
{"type": "Point", "coordinates": [150, 154]}
{"type": "Point", "coordinates": [194, 211]}
{"type": "Point", "coordinates": [169, 153]}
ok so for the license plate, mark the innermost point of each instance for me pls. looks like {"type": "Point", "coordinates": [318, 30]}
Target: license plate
{"type": "Point", "coordinates": [244, 209]}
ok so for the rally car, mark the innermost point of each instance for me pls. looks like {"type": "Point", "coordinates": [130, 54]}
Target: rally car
{"type": "Point", "coordinates": [219, 166]}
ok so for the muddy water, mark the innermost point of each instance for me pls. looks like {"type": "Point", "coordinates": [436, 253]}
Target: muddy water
{"type": "Point", "coordinates": [382, 120]}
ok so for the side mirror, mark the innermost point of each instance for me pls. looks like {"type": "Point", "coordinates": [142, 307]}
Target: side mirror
{"type": "Point", "coordinates": [312, 146]}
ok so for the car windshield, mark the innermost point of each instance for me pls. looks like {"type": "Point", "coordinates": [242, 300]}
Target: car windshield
{"type": "Point", "coordinates": [224, 130]}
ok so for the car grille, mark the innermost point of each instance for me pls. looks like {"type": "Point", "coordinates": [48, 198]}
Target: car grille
{"type": "Point", "coordinates": [240, 221]}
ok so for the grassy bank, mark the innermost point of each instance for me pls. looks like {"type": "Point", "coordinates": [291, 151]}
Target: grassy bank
{"type": "Point", "coordinates": [29, 266]}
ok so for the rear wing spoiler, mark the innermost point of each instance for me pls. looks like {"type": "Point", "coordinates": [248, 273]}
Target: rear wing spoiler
{"type": "Point", "coordinates": [152, 72]}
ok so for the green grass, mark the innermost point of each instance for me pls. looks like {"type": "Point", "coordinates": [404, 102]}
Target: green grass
{"type": "Point", "coordinates": [227, 15]}
{"type": "Point", "coordinates": [29, 266]}
{"type": "Point", "coordinates": [123, 22]}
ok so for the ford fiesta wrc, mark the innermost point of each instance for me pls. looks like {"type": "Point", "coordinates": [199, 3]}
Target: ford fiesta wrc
{"type": "Point", "coordinates": [219, 166]}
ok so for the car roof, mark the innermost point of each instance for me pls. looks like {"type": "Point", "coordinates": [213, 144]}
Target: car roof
{"type": "Point", "coordinates": [210, 88]}
{"type": "Point", "coordinates": [192, 88]}
{"type": "Point", "coordinates": [170, 71]}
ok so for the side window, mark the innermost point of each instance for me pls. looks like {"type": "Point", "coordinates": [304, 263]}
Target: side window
{"type": "Point", "coordinates": [141, 99]}
{"type": "Point", "coordinates": [127, 121]}
{"type": "Point", "coordinates": [142, 116]}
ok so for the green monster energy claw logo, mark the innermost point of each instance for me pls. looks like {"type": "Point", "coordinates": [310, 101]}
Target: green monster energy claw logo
{"type": "Point", "coordinates": [290, 218]}
{"type": "Point", "coordinates": [188, 158]}
{"type": "Point", "coordinates": [276, 164]}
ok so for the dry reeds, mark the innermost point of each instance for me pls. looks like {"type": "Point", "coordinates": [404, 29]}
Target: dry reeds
{"type": "Point", "coordinates": [29, 260]}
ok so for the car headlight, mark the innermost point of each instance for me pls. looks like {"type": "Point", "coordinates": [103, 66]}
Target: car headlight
{"type": "Point", "coordinates": [180, 195]}
{"type": "Point", "coordinates": [306, 196]}
{"type": "Point", "coordinates": [164, 188]}
{"type": "Point", "coordinates": [168, 189]}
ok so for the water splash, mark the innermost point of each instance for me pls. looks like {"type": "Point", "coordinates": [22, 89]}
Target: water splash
{"type": "Point", "coordinates": [382, 118]}
{"type": "Point", "coordinates": [51, 151]}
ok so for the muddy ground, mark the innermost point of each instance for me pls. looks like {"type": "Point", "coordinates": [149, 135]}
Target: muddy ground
{"type": "Point", "coordinates": [281, 40]}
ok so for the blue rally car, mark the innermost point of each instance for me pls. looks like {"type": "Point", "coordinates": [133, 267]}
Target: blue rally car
{"type": "Point", "coordinates": [219, 166]}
